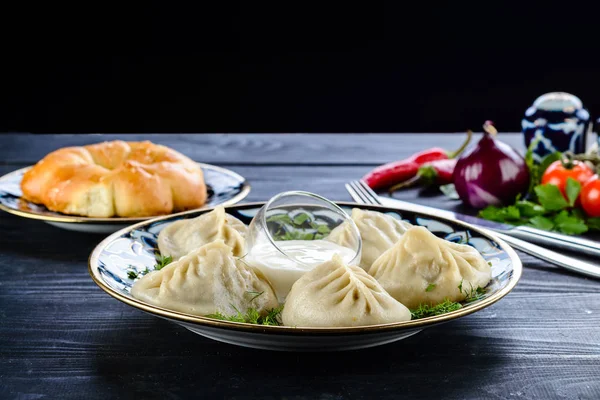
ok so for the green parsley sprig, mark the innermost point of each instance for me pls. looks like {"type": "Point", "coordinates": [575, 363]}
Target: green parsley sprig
{"type": "Point", "coordinates": [553, 213]}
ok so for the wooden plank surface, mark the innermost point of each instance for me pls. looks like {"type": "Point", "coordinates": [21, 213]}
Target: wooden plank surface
{"type": "Point", "coordinates": [253, 149]}
{"type": "Point", "coordinates": [62, 337]}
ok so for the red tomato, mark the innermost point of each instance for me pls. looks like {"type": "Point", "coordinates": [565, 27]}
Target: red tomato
{"type": "Point", "coordinates": [590, 197]}
{"type": "Point", "coordinates": [557, 174]}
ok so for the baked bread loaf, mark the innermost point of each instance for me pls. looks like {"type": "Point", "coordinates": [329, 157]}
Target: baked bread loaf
{"type": "Point", "coordinates": [124, 179]}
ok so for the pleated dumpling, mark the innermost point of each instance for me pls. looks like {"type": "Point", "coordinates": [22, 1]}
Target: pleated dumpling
{"type": "Point", "coordinates": [206, 281]}
{"type": "Point", "coordinates": [334, 294]}
{"type": "Point", "coordinates": [378, 231]}
{"type": "Point", "coordinates": [342, 235]}
{"type": "Point", "coordinates": [424, 269]}
{"type": "Point", "coordinates": [183, 236]}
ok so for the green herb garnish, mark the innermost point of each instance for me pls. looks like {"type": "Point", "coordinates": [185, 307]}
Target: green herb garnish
{"type": "Point", "coordinates": [553, 213]}
{"type": "Point", "coordinates": [472, 294]}
{"type": "Point", "coordinates": [301, 218]}
{"type": "Point", "coordinates": [594, 223]}
{"type": "Point", "coordinates": [425, 310]}
{"type": "Point", "coordinates": [323, 229]}
{"type": "Point", "coordinates": [541, 222]}
{"type": "Point", "coordinates": [510, 214]}
{"type": "Point", "coordinates": [252, 317]}
{"type": "Point", "coordinates": [281, 218]}
{"type": "Point", "coordinates": [569, 223]}
{"type": "Point", "coordinates": [273, 317]}
{"type": "Point", "coordinates": [430, 287]}
{"type": "Point", "coordinates": [573, 188]}
{"type": "Point", "coordinates": [550, 197]}
{"type": "Point", "coordinates": [529, 209]}
{"type": "Point", "coordinates": [162, 261]}
{"type": "Point", "coordinates": [298, 227]}
{"type": "Point", "coordinates": [254, 294]}
{"type": "Point", "coordinates": [132, 274]}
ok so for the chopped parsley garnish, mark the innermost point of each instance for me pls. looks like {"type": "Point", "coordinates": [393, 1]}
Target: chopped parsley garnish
{"type": "Point", "coordinates": [132, 274]}
{"type": "Point", "coordinates": [430, 287]}
{"type": "Point", "coordinates": [162, 261]}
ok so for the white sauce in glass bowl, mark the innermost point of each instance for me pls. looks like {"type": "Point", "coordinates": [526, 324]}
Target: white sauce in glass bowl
{"type": "Point", "coordinates": [283, 271]}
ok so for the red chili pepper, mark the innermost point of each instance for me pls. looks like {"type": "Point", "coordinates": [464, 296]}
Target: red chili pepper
{"type": "Point", "coordinates": [399, 171]}
{"type": "Point", "coordinates": [437, 172]}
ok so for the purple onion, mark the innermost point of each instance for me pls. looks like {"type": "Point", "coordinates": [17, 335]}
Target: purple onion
{"type": "Point", "coordinates": [491, 173]}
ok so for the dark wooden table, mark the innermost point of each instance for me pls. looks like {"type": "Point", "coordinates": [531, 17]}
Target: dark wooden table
{"type": "Point", "coordinates": [61, 337]}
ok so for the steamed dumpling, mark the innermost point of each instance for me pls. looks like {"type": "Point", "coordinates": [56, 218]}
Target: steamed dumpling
{"type": "Point", "coordinates": [206, 281]}
{"type": "Point", "coordinates": [342, 235]}
{"type": "Point", "coordinates": [420, 260]}
{"type": "Point", "coordinates": [378, 231]}
{"type": "Point", "coordinates": [335, 294]}
{"type": "Point", "coordinates": [185, 235]}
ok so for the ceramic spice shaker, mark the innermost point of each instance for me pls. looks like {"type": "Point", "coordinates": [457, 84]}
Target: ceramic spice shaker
{"type": "Point", "coordinates": [559, 121]}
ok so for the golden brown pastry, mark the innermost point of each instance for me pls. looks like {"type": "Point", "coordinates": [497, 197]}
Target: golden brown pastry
{"type": "Point", "coordinates": [125, 179]}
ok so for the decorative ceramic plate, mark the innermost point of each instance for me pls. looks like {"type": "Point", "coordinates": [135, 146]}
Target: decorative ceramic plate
{"type": "Point", "coordinates": [134, 248]}
{"type": "Point", "coordinates": [224, 187]}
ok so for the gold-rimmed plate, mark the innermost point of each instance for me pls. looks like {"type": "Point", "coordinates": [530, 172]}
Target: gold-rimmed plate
{"type": "Point", "coordinates": [135, 247]}
{"type": "Point", "coordinates": [224, 187]}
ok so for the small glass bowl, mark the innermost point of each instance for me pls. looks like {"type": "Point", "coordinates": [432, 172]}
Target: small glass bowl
{"type": "Point", "coordinates": [297, 216]}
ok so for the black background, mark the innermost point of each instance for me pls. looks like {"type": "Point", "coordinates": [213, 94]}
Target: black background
{"type": "Point", "coordinates": [298, 67]}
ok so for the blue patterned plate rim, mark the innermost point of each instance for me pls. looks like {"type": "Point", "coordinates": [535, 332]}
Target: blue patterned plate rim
{"type": "Point", "coordinates": [513, 277]}
{"type": "Point", "coordinates": [237, 194]}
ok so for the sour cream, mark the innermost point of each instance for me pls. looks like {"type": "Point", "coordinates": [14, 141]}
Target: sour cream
{"type": "Point", "coordinates": [283, 271]}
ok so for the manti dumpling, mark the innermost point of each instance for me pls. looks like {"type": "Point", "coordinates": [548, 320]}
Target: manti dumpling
{"type": "Point", "coordinates": [206, 281]}
{"type": "Point", "coordinates": [185, 235]}
{"type": "Point", "coordinates": [378, 231]}
{"type": "Point", "coordinates": [424, 269]}
{"type": "Point", "coordinates": [334, 294]}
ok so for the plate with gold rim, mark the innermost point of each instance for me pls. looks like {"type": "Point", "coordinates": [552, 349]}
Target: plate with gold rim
{"type": "Point", "coordinates": [136, 246]}
{"type": "Point", "coordinates": [224, 187]}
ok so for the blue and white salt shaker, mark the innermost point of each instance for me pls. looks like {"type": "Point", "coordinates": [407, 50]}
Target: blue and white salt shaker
{"type": "Point", "coordinates": [560, 123]}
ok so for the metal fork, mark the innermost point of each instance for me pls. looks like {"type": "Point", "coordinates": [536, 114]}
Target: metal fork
{"type": "Point", "coordinates": [363, 194]}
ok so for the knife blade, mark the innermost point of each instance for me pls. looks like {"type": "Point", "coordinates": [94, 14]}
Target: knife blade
{"type": "Point", "coordinates": [550, 239]}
